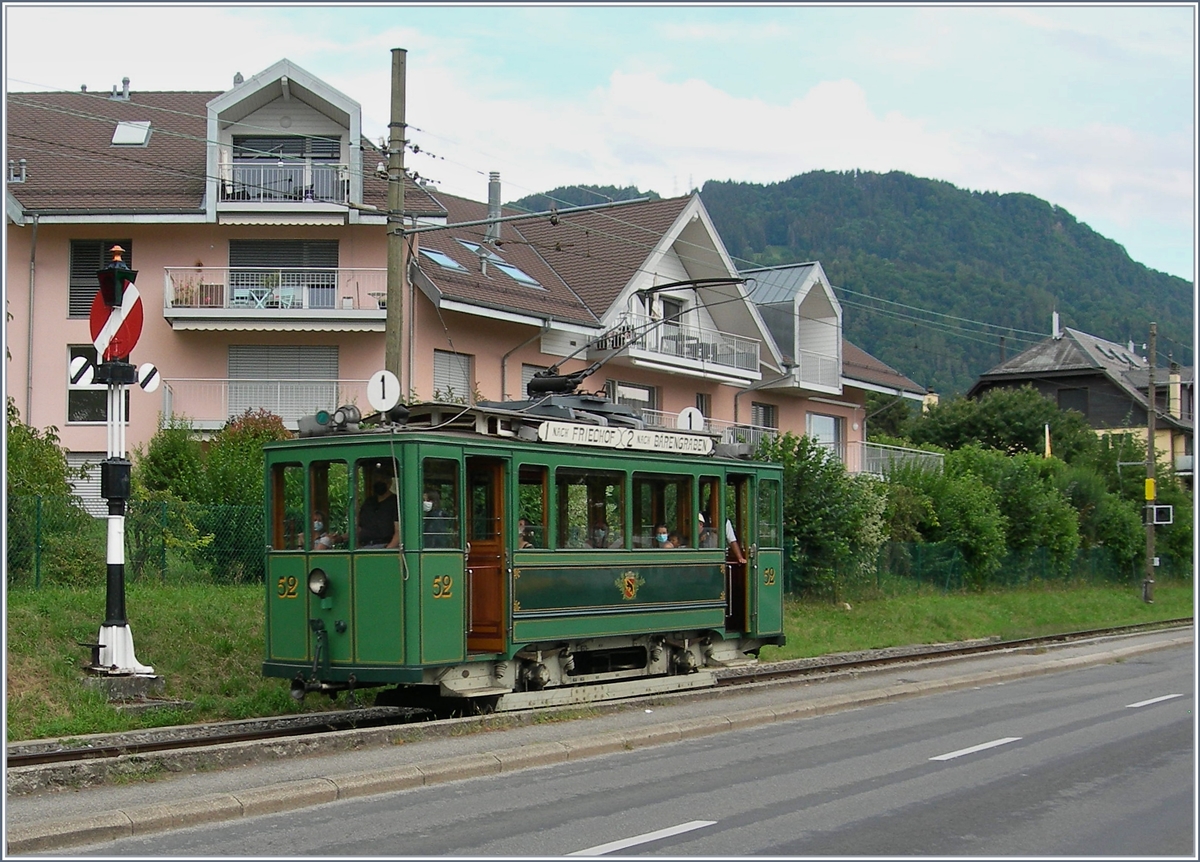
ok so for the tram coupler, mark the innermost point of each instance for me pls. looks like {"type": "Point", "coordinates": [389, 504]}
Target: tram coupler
{"type": "Point", "coordinates": [301, 687]}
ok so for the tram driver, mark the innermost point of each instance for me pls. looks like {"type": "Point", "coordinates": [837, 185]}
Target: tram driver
{"type": "Point", "coordinates": [379, 517]}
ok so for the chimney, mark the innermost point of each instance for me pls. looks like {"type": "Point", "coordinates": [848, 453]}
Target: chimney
{"type": "Point", "coordinates": [1174, 391]}
{"type": "Point", "coordinates": [125, 89]}
{"type": "Point", "coordinates": [1054, 327]}
{"type": "Point", "coordinates": [493, 230]}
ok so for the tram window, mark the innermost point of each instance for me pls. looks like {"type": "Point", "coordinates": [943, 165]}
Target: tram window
{"type": "Point", "coordinates": [737, 505]}
{"type": "Point", "coordinates": [439, 504]}
{"type": "Point", "coordinates": [710, 497]}
{"type": "Point", "coordinates": [591, 508]}
{"type": "Point", "coordinates": [659, 500]}
{"type": "Point", "coordinates": [483, 524]}
{"type": "Point", "coordinates": [377, 493]}
{"type": "Point", "coordinates": [329, 505]}
{"type": "Point", "coordinates": [768, 513]}
{"type": "Point", "coordinates": [287, 507]}
{"type": "Point", "coordinates": [531, 506]}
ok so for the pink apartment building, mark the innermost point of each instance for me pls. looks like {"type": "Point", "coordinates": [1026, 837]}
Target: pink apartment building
{"type": "Point", "coordinates": [257, 223]}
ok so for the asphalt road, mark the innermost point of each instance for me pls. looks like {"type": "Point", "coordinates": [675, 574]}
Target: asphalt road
{"type": "Point", "coordinates": [1097, 761]}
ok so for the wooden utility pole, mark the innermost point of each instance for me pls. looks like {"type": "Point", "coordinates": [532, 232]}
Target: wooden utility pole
{"type": "Point", "coordinates": [394, 326]}
{"type": "Point", "coordinates": [1151, 493]}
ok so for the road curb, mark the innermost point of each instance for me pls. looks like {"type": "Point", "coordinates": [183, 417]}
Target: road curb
{"type": "Point", "coordinates": [45, 835]}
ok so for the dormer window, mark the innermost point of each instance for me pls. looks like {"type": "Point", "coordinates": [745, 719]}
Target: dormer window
{"type": "Point", "coordinates": [287, 168]}
{"type": "Point", "coordinates": [131, 133]}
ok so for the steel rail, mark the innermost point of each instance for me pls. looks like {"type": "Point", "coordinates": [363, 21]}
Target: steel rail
{"type": "Point", "coordinates": [199, 736]}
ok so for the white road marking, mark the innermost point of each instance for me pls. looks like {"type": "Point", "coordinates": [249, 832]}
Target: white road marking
{"type": "Point", "coordinates": [1152, 700]}
{"type": "Point", "coordinates": [981, 747]}
{"type": "Point", "coordinates": [601, 849]}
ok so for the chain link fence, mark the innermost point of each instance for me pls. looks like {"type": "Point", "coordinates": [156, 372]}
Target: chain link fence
{"type": "Point", "coordinates": [53, 540]}
{"type": "Point", "coordinates": [908, 566]}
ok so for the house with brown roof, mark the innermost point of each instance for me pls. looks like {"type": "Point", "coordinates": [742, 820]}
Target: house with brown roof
{"type": "Point", "coordinates": [256, 221]}
{"type": "Point", "coordinates": [1109, 384]}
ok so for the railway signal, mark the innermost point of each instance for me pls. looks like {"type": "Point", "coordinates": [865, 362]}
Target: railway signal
{"type": "Point", "coordinates": [116, 324]}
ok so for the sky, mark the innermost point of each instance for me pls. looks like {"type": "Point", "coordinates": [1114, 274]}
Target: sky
{"type": "Point", "coordinates": [1089, 107]}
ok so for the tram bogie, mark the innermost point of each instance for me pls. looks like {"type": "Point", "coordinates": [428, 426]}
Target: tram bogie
{"type": "Point", "coordinates": [499, 557]}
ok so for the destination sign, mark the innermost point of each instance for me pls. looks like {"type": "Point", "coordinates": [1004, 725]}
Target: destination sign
{"type": "Point", "coordinates": [610, 437]}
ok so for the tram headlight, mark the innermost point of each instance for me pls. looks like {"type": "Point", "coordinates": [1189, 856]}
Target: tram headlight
{"type": "Point", "coordinates": [318, 583]}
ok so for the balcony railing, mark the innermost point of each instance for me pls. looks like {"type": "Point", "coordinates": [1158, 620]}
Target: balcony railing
{"type": "Point", "coordinates": [818, 369]}
{"type": "Point", "coordinates": [208, 403]}
{"type": "Point", "coordinates": [685, 342]}
{"type": "Point", "coordinates": [252, 288]}
{"type": "Point", "coordinates": [858, 456]}
{"type": "Point", "coordinates": [300, 181]}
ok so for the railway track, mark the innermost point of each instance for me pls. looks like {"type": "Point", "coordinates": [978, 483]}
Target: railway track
{"type": "Point", "coordinates": [159, 740]}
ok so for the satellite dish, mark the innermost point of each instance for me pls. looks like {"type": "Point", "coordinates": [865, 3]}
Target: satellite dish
{"type": "Point", "coordinates": [690, 419]}
{"type": "Point", "coordinates": [383, 391]}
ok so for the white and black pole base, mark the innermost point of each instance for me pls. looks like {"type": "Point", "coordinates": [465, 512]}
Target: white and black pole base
{"type": "Point", "coordinates": [115, 655]}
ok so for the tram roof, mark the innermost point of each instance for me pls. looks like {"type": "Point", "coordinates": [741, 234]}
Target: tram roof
{"type": "Point", "coordinates": [580, 421]}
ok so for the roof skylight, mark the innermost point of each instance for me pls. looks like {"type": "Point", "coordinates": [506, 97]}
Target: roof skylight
{"type": "Point", "coordinates": [131, 133]}
{"type": "Point", "coordinates": [513, 272]}
{"type": "Point", "coordinates": [443, 260]}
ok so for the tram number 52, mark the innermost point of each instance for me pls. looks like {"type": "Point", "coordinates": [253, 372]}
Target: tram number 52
{"type": "Point", "coordinates": [288, 588]}
{"type": "Point", "coordinates": [443, 587]}
{"type": "Point", "coordinates": [769, 576]}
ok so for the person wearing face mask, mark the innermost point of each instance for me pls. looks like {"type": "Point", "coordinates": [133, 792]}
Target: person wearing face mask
{"type": "Point", "coordinates": [321, 540]}
{"type": "Point", "coordinates": [378, 518]}
{"type": "Point", "coordinates": [438, 526]}
{"type": "Point", "coordinates": [662, 537]}
{"type": "Point", "coordinates": [602, 538]}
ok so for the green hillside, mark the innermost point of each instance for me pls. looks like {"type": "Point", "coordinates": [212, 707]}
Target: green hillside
{"type": "Point", "coordinates": [897, 247]}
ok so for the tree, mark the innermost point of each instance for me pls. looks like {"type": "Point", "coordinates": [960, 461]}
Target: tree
{"type": "Point", "coordinates": [37, 464]}
{"type": "Point", "coordinates": [1035, 510]}
{"type": "Point", "coordinates": [887, 415]}
{"type": "Point", "coordinates": [834, 520]}
{"type": "Point", "coordinates": [234, 466]}
{"type": "Point", "coordinates": [1010, 420]}
{"type": "Point", "coordinates": [958, 509]}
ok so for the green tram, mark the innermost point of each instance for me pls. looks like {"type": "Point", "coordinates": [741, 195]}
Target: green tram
{"type": "Point", "coordinates": [508, 555]}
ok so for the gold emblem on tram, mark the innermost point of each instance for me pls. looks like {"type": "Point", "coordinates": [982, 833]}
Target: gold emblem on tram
{"type": "Point", "coordinates": [628, 584]}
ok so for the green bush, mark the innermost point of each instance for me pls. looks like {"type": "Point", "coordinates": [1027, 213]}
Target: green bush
{"type": "Point", "coordinates": [1036, 512]}
{"type": "Point", "coordinates": [833, 522]}
{"type": "Point", "coordinates": [961, 510]}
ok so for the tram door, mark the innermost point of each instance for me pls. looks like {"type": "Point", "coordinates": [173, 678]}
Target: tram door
{"type": "Point", "coordinates": [737, 511]}
{"type": "Point", "coordinates": [487, 567]}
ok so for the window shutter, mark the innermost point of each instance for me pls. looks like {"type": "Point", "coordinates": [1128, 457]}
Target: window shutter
{"type": "Point", "coordinates": [87, 256]}
{"type": "Point", "coordinates": [452, 376]}
{"type": "Point", "coordinates": [288, 380]}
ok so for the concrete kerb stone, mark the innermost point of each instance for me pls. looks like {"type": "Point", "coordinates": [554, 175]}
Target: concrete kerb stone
{"type": "Point", "coordinates": [603, 743]}
{"type": "Point", "coordinates": [52, 834]}
{"type": "Point", "coordinates": [458, 768]}
{"type": "Point", "coordinates": [537, 754]}
{"type": "Point", "coordinates": [375, 781]}
{"type": "Point", "coordinates": [191, 812]}
{"type": "Point", "coordinates": [286, 796]}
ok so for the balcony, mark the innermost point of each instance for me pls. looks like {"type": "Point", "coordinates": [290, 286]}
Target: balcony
{"type": "Point", "coordinates": [858, 456]}
{"type": "Point", "coordinates": [208, 403]}
{"type": "Point", "coordinates": [693, 346]}
{"type": "Point", "coordinates": [818, 369]}
{"type": "Point", "coordinates": [193, 295]}
{"type": "Point", "coordinates": [306, 181]}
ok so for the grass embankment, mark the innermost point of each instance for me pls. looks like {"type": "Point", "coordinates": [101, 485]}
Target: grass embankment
{"type": "Point", "coordinates": [206, 642]}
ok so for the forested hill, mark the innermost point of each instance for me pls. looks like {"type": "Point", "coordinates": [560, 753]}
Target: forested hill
{"type": "Point", "coordinates": [924, 245]}
{"type": "Point", "coordinates": [896, 247]}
